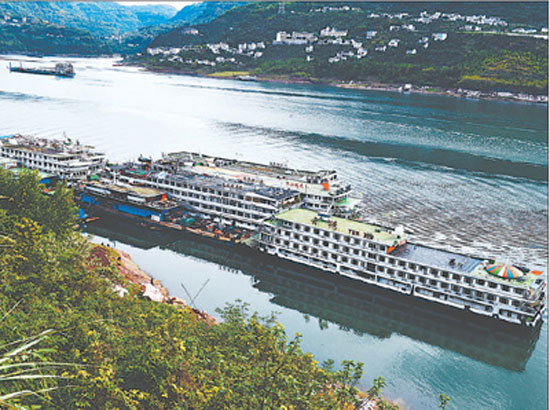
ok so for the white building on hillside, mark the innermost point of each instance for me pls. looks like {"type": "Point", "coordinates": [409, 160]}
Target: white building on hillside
{"type": "Point", "coordinates": [296, 38]}
{"type": "Point", "coordinates": [333, 32]}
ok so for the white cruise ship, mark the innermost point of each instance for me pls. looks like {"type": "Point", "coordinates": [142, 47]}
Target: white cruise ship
{"type": "Point", "coordinates": [384, 258]}
{"type": "Point", "coordinates": [321, 191]}
{"type": "Point", "coordinates": [67, 159]}
{"type": "Point", "coordinates": [231, 201]}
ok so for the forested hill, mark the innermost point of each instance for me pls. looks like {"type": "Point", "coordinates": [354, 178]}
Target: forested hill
{"type": "Point", "coordinates": [98, 18]}
{"type": "Point", "coordinates": [486, 46]}
{"type": "Point", "coordinates": [204, 12]}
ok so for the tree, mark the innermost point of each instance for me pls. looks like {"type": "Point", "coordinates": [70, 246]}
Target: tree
{"type": "Point", "coordinates": [443, 401]}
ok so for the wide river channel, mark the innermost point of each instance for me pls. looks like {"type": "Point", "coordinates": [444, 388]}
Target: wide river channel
{"type": "Point", "coordinates": [464, 175]}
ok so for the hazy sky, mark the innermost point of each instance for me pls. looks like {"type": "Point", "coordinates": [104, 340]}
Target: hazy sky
{"type": "Point", "coordinates": [176, 4]}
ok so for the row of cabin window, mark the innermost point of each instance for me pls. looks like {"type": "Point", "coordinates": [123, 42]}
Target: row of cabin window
{"type": "Point", "coordinates": [409, 265]}
{"type": "Point", "coordinates": [335, 236]}
{"type": "Point", "coordinates": [448, 275]}
{"type": "Point", "coordinates": [231, 203]}
{"type": "Point", "coordinates": [444, 285]}
{"type": "Point", "coordinates": [326, 244]}
{"type": "Point", "coordinates": [204, 197]}
{"type": "Point", "coordinates": [226, 211]}
{"type": "Point", "coordinates": [432, 282]}
{"type": "Point", "coordinates": [193, 187]}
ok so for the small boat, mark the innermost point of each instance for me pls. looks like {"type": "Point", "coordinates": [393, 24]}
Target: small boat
{"type": "Point", "coordinates": [247, 78]}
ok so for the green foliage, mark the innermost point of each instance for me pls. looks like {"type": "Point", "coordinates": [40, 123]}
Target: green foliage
{"type": "Point", "coordinates": [203, 12]}
{"type": "Point", "coordinates": [487, 62]}
{"type": "Point", "coordinates": [98, 18]}
{"type": "Point", "coordinates": [135, 353]}
{"type": "Point", "coordinates": [443, 401]}
{"type": "Point", "coordinates": [49, 39]}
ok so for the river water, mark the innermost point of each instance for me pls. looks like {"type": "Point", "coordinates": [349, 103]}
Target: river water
{"type": "Point", "coordinates": [460, 174]}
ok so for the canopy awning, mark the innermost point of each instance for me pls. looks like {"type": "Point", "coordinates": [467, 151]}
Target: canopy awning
{"type": "Point", "coordinates": [504, 271]}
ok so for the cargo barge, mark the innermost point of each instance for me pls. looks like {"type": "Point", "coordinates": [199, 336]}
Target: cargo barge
{"type": "Point", "coordinates": [60, 70]}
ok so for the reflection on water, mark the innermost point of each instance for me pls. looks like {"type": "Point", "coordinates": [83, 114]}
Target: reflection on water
{"type": "Point", "coordinates": [353, 307]}
{"type": "Point", "coordinates": [460, 174]}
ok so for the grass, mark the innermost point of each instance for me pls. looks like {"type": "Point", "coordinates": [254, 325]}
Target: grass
{"type": "Point", "coordinates": [228, 74]}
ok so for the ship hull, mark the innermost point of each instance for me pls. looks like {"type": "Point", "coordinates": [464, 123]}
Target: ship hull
{"type": "Point", "coordinates": [40, 72]}
{"type": "Point", "coordinates": [412, 294]}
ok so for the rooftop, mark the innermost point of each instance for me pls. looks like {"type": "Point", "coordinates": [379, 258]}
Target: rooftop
{"type": "Point", "coordinates": [54, 147]}
{"type": "Point", "coordinates": [127, 189]}
{"type": "Point", "coordinates": [302, 186]}
{"type": "Point", "coordinates": [436, 257]}
{"type": "Point", "coordinates": [273, 174]}
{"type": "Point", "coordinates": [343, 226]}
{"type": "Point", "coordinates": [215, 182]}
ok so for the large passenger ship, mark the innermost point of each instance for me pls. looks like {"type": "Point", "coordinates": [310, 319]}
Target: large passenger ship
{"type": "Point", "coordinates": [303, 216]}
{"type": "Point", "coordinates": [241, 203]}
{"type": "Point", "coordinates": [320, 190]}
{"type": "Point", "coordinates": [67, 159]}
{"type": "Point", "coordinates": [384, 258]}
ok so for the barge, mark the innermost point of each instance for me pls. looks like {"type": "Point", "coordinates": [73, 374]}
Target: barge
{"type": "Point", "coordinates": [150, 207]}
{"type": "Point", "coordinates": [60, 70]}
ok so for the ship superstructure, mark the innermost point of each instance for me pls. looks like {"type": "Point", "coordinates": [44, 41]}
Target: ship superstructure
{"type": "Point", "coordinates": [231, 201]}
{"type": "Point", "coordinates": [321, 190]}
{"type": "Point", "coordinates": [66, 158]}
{"type": "Point", "coordinates": [384, 258]}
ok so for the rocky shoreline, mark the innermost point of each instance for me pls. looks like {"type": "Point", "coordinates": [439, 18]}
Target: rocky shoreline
{"type": "Point", "coordinates": [150, 288]}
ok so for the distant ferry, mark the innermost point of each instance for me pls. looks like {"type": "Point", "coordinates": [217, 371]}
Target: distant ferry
{"type": "Point", "coordinates": [247, 78]}
{"type": "Point", "coordinates": [60, 70]}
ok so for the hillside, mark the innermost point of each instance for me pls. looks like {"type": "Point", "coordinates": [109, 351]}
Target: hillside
{"type": "Point", "coordinates": [99, 18]}
{"type": "Point", "coordinates": [204, 12]}
{"type": "Point", "coordinates": [49, 39]}
{"type": "Point", "coordinates": [75, 334]}
{"type": "Point", "coordinates": [488, 46]}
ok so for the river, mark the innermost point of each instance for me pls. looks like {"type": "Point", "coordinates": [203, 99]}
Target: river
{"type": "Point", "coordinates": [461, 174]}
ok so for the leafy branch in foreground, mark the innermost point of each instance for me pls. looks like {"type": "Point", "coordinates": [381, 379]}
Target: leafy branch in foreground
{"type": "Point", "coordinates": [21, 362]}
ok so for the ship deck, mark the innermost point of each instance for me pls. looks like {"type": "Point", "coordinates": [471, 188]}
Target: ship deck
{"type": "Point", "coordinates": [302, 186]}
{"type": "Point", "coordinates": [438, 258]}
{"type": "Point", "coordinates": [343, 226]}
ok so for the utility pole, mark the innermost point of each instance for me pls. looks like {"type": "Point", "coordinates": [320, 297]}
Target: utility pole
{"type": "Point", "coordinates": [281, 7]}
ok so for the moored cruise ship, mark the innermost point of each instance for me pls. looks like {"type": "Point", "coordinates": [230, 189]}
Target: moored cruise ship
{"type": "Point", "coordinates": [321, 191]}
{"type": "Point", "coordinates": [67, 159]}
{"type": "Point", "coordinates": [384, 258]}
{"type": "Point", "coordinates": [245, 204]}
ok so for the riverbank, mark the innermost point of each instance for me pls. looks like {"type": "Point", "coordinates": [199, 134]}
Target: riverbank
{"type": "Point", "coordinates": [150, 287]}
{"type": "Point", "coordinates": [155, 291]}
{"type": "Point", "coordinates": [359, 85]}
